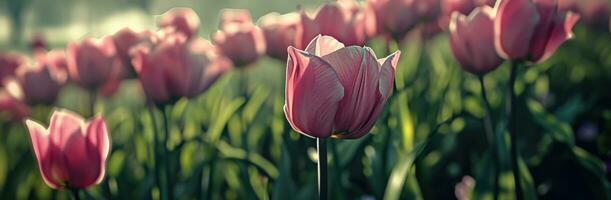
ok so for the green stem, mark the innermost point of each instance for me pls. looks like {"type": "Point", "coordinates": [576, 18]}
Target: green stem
{"type": "Point", "coordinates": [512, 130]}
{"type": "Point", "coordinates": [321, 145]}
{"type": "Point", "coordinates": [157, 168]}
{"type": "Point", "coordinates": [166, 152]}
{"type": "Point", "coordinates": [92, 100]}
{"type": "Point", "coordinates": [337, 170]}
{"type": "Point", "coordinates": [489, 128]}
{"type": "Point", "coordinates": [75, 194]}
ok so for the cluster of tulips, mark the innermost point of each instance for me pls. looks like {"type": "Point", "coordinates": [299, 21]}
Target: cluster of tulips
{"type": "Point", "coordinates": [335, 86]}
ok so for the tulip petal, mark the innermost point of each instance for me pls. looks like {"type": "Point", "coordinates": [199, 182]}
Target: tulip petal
{"type": "Point", "coordinates": [98, 145]}
{"type": "Point", "coordinates": [387, 73]}
{"type": "Point", "coordinates": [323, 45]}
{"type": "Point", "coordinates": [150, 74]}
{"type": "Point", "coordinates": [313, 92]}
{"type": "Point", "coordinates": [41, 144]}
{"type": "Point", "coordinates": [63, 125]}
{"type": "Point", "coordinates": [514, 28]}
{"type": "Point", "coordinates": [561, 32]}
{"type": "Point", "coordinates": [359, 73]}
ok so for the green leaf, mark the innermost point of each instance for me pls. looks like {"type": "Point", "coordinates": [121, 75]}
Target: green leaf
{"type": "Point", "coordinates": [219, 122]}
{"type": "Point", "coordinates": [528, 184]}
{"type": "Point", "coordinates": [560, 131]}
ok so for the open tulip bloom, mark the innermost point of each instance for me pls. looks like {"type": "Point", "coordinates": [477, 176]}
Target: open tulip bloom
{"type": "Point", "coordinates": [71, 153]}
{"type": "Point", "coordinates": [335, 91]}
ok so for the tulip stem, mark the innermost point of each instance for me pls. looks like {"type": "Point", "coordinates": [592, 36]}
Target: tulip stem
{"type": "Point", "coordinates": [321, 145]}
{"type": "Point", "coordinates": [157, 162]}
{"type": "Point", "coordinates": [166, 154]}
{"type": "Point", "coordinates": [75, 194]}
{"type": "Point", "coordinates": [489, 128]}
{"type": "Point", "coordinates": [512, 130]}
{"type": "Point", "coordinates": [92, 99]}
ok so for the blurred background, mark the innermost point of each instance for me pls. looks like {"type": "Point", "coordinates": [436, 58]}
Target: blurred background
{"type": "Point", "coordinates": [227, 145]}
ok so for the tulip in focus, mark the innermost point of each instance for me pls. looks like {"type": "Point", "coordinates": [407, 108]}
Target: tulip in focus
{"type": "Point", "coordinates": [182, 20]}
{"type": "Point", "coordinates": [238, 38]}
{"type": "Point", "coordinates": [338, 91]}
{"type": "Point", "coordinates": [41, 82]}
{"type": "Point", "coordinates": [531, 30]}
{"type": "Point", "coordinates": [281, 31]}
{"type": "Point", "coordinates": [9, 62]}
{"type": "Point", "coordinates": [173, 67]}
{"type": "Point", "coordinates": [94, 65]}
{"type": "Point", "coordinates": [472, 40]}
{"type": "Point", "coordinates": [71, 153]}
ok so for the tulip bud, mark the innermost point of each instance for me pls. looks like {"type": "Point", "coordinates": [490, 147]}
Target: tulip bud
{"type": "Point", "coordinates": [173, 67]}
{"type": "Point", "coordinates": [472, 40]}
{"type": "Point", "coordinates": [238, 38]}
{"type": "Point", "coordinates": [346, 21]}
{"type": "Point", "coordinates": [394, 17]}
{"type": "Point", "coordinates": [42, 82]}
{"type": "Point", "coordinates": [71, 153]}
{"type": "Point", "coordinates": [93, 64]}
{"type": "Point", "coordinates": [11, 107]}
{"type": "Point", "coordinates": [124, 40]}
{"type": "Point", "coordinates": [9, 62]}
{"type": "Point", "coordinates": [595, 13]}
{"type": "Point", "coordinates": [182, 20]}
{"type": "Point", "coordinates": [338, 91]}
{"type": "Point", "coordinates": [531, 30]}
{"type": "Point", "coordinates": [281, 31]}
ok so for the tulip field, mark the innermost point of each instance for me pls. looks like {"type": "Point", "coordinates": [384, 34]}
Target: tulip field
{"type": "Point", "coordinates": [333, 99]}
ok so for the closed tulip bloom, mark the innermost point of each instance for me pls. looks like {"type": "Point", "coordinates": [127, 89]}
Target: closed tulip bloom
{"type": "Point", "coordinates": [338, 91]}
{"type": "Point", "coordinates": [428, 10]}
{"type": "Point", "coordinates": [9, 62]}
{"type": "Point", "coordinates": [182, 20]}
{"type": "Point", "coordinates": [71, 153]}
{"type": "Point", "coordinates": [124, 40]}
{"type": "Point", "coordinates": [281, 31]}
{"type": "Point", "coordinates": [346, 21]}
{"type": "Point", "coordinates": [595, 13]}
{"type": "Point", "coordinates": [394, 17]}
{"type": "Point", "coordinates": [41, 82]}
{"type": "Point", "coordinates": [93, 64]}
{"type": "Point", "coordinates": [174, 67]}
{"type": "Point", "coordinates": [472, 40]}
{"type": "Point", "coordinates": [462, 6]}
{"type": "Point", "coordinates": [531, 30]}
{"type": "Point", "coordinates": [12, 107]}
{"type": "Point", "coordinates": [238, 38]}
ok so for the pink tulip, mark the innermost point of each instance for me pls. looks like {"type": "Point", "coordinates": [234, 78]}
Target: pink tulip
{"type": "Point", "coordinates": [94, 64]}
{"type": "Point", "coordinates": [394, 17]}
{"type": "Point", "coordinates": [472, 40]}
{"type": "Point", "coordinates": [531, 30]}
{"type": "Point", "coordinates": [182, 20]}
{"type": "Point", "coordinates": [11, 107]}
{"type": "Point", "coordinates": [346, 21]}
{"type": "Point", "coordinates": [462, 6]}
{"type": "Point", "coordinates": [38, 44]}
{"type": "Point", "coordinates": [173, 67]}
{"type": "Point", "coordinates": [595, 13]}
{"type": "Point", "coordinates": [238, 38]}
{"type": "Point", "coordinates": [281, 31]}
{"type": "Point", "coordinates": [71, 153]}
{"type": "Point", "coordinates": [428, 10]}
{"type": "Point", "coordinates": [338, 91]}
{"type": "Point", "coordinates": [9, 62]}
{"type": "Point", "coordinates": [124, 40]}
{"type": "Point", "coordinates": [567, 5]}
{"type": "Point", "coordinates": [41, 82]}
